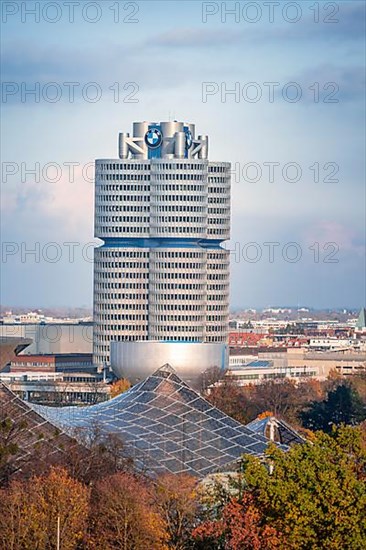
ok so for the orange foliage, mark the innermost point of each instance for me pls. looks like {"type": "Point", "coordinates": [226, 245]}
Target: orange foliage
{"type": "Point", "coordinates": [125, 516]}
{"type": "Point", "coordinates": [241, 528]}
{"type": "Point", "coordinates": [177, 503]}
{"type": "Point", "coordinates": [265, 414]}
{"type": "Point", "coordinates": [29, 512]}
{"type": "Point", "coordinates": [120, 386]}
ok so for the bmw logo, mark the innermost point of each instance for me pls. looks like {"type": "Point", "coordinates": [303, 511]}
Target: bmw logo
{"type": "Point", "coordinates": [189, 139]}
{"type": "Point", "coordinates": [153, 138]}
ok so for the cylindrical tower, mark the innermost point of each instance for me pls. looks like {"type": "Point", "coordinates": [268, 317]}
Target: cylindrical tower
{"type": "Point", "coordinates": [162, 210]}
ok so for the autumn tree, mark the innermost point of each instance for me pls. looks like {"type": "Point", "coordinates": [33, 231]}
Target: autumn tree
{"type": "Point", "coordinates": [311, 497]}
{"type": "Point", "coordinates": [358, 382]}
{"type": "Point", "coordinates": [285, 398]}
{"type": "Point", "coordinates": [29, 447]}
{"type": "Point", "coordinates": [210, 377]}
{"type": "Point", "coordinates": [30, 511]}
{"type": "Point", "coordinates": [178, 505]}
{"type": "Point", "coordinates": [10, 459]}
{"type": "Point", "coordinates": [279, 396]}
{"type": "Point", "coordinates": [99, 454]}
{"type": "Point", "coordinates": [124, 516]}
{"type": "Point", "coordinates": [233, 400]}
{"type": "Point", "coordinates": [241, 526]}
{"type": "Point", "coordinates": [119, 386]}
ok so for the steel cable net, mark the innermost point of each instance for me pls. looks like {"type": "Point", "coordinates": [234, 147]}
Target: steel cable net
{"type": "Point", "coordinates": [166, 426]}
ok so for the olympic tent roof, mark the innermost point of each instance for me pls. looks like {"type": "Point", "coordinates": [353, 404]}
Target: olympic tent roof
{"type": "Point", "coordinates": [283, 433]}
{"type": "Point", "coordinates": [38, 443]}
{"type": "Point", "coordinates": [166, 427]}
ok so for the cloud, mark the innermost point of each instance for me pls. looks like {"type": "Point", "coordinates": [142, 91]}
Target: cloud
{"type": "Point", "coordinates": [336, 83]}
{"type": "Point", "coordinates": [346, 238]}
{"type": "Point", "coordinates": [25, 68]}
{"type": "Point", "coordinates": [350, 27]}
{"type": "Point", "coordinates": [61, 210]}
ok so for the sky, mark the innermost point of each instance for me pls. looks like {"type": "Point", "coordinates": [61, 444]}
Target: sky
{"type": "Point", "coordinates": [277, 86]}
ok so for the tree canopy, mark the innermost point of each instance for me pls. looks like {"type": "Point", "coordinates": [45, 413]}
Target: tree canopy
{"type": "Point", "coordinates": [342, 405]}
{"type": "Point", "coordinates": [312, 497]}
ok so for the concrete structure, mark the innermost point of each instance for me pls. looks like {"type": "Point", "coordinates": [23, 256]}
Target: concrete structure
{"type": "Point", "coordinates": [295, 363]}
{"type": "Point", "coordinates": [136, 360]}
{"type": "Point", "coordinates": [52, 338]}
{"type": "Point", "coordinates": [162, 210]}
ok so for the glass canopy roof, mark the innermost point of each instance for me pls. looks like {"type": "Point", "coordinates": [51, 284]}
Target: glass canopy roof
{"type": "Point", "coordinates": [166, 427]}
{"type": "Point", "coordinates": [282, 431]}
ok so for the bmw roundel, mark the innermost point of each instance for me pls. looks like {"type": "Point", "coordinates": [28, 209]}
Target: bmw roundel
{"type": "Point", "coordinates": [153, 138]}
{"type": "Point", "coordinates": [189, 139]}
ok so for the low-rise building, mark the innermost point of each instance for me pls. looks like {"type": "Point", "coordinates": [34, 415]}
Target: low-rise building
{"type": "Point", "coordinates": [58, 362]}
{"type": "Point", "coordinates": [56, 379]}
{"type": "Point", "coordinates": [252, 366]}
{"type": "Point", "coordinates": [345, 362]}
{"type": "Point", "coordinates": [257, 372]}
{"type": "Point", "coordinates": [59, 389]}
{"type": "Point", "coordinates": [330, 344]}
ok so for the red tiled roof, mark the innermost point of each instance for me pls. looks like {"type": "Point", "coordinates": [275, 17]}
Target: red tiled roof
{"type": "Point", "coordinates": [245, 338]}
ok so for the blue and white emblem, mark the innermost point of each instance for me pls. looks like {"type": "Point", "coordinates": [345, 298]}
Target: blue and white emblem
{"type": "Point", "coordinates": [189, 139]}
{"type": "Point", "coordinates": [153, 138]}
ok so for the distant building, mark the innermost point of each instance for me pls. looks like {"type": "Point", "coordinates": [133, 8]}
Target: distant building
{"type": "Point", "coordinates": [257, 372]}
{"type": "Point", "coordinates": [345, 363]}
{"type": "Point", "coordinates": [330, 344]}
{"type": "Point", "coordinates": [56, 379]}
{"type": "Point", "coordinates": [246, 339]}
{"type": "Point", "coordinates": [32, 317]}
{"type": "Point", "coordinates": [52, 338]}
{"type": "Point", "coordinates": [251, 366]}
{"type": "Point", "coordinates": [70, 362]}
{"type": "Point", "coordinates": [59, 389]}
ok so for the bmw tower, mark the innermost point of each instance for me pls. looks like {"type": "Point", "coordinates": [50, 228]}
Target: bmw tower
{"type": "Point", "coordinates": [161, 276]}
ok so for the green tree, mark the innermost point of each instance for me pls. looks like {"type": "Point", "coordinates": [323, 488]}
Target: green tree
{"type": "Point", "coordinates": [342, 405]}
{"type": "Point", "coordinates": [315, 493]}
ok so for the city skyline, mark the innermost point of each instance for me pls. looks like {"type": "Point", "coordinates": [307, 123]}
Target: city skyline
{"type": "Point", "coordinates": [165, 62]}
{"type": "Point", "coordinates": [183, 280]}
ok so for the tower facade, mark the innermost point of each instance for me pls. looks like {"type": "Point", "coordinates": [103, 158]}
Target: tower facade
{"type": "Point", "coordinates": [162, 210]}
